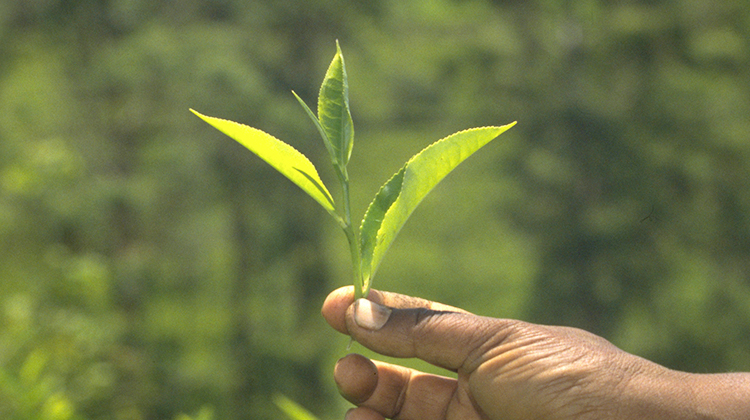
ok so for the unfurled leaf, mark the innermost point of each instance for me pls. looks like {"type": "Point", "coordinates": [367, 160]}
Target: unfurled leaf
{"type": "Point", "coordinates": [333, 111]}
{"type": "Point", "coordinates": [398, 197]}
{"type": "Point", "coordinates": [283, 157]}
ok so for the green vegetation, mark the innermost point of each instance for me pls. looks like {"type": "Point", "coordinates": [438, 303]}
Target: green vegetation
{"type": "Point", "coordinates": [397, 198]}
{"type": "Point", "coordinates": [152, 269]}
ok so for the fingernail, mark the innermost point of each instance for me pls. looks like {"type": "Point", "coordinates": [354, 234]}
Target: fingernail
{"type": "Point", "coordinates": [370, 315]}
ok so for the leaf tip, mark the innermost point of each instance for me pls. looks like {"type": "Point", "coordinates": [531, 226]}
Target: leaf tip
{"type": "Point", "coordinates": [199, 115]}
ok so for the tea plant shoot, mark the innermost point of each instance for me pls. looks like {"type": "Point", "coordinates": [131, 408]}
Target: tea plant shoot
{"type": "Point", "coordinates": [396, 199]}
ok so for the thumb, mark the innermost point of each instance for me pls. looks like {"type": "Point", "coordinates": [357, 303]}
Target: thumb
{"type": "Point", "coordinates": [444, 338]}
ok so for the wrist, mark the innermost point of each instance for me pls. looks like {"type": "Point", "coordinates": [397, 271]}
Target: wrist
{"type": "Point", "coordinates": [655, 392]}
{"type": "Point", "coordinates": [720, 396]}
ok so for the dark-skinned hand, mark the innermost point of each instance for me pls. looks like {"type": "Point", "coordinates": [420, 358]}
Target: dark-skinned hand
{"type": "Point", "coordinates": [508, 369]}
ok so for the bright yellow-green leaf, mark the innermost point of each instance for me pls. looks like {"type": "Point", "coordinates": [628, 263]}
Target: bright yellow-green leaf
{"type": "Point", "coordinates": [398, 197]}
{"type": "Point", "coordinates": [292, 409]}
{"type": "Point", "coordinates": [283, 157]}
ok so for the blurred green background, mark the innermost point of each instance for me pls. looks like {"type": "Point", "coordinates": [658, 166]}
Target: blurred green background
{"type": "Point", "coordinates": [152, 268]}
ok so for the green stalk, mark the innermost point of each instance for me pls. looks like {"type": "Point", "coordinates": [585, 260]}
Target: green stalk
{"type": "Point", "coordinates": [351, 233]}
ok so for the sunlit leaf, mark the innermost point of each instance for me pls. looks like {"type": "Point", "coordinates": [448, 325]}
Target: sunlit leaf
{"type": "Point", "coordinates": [283, 157]}
{"type": "Point", "coordinates": [292, 409]}
{"type": "Point", "coordinates": [398, 197]}
{"type": "Point", "coordinates": [333, 110]}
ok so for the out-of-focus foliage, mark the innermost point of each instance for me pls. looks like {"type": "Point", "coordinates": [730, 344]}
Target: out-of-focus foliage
{"type": "Point", "coordinates": [150, 267]}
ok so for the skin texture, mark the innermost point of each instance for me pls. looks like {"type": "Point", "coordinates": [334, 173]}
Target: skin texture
{"type": "Point", "coordinates": [508, 369]}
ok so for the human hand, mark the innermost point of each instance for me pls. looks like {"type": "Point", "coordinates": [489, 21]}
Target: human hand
{"type": "Point", "coordinates": [505, 369]}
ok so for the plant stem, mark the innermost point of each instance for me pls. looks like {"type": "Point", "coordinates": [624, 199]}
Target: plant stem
{"type": "Point", "coordinates": [351, 234]}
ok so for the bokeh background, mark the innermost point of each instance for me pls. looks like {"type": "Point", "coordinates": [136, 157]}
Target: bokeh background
{"type": "Point", "coordinates": [151, 268]}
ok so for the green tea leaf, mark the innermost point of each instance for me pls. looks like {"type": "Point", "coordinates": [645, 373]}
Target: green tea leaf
{"type": "Point", "coordinates": [292, 409]}
{"type": "Point", "coordinates": [398, 197]}
{"type": "Point", "coordinates": [283, 157]}
{"type": "Point", "coordinates": [333, 111]}
{"type": "Point", "coordinates": [326, 141]}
